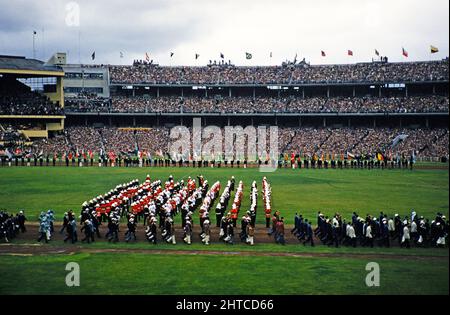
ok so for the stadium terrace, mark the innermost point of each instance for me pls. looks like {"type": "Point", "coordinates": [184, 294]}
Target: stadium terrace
{"type": "Point", "coordinates": [324, 112]}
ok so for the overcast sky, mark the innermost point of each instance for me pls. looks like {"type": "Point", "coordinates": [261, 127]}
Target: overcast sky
{"type": "Point", "coordinates": [231, 27]}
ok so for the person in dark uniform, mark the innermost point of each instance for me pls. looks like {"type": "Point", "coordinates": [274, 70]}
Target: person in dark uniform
{"type": "Point", "coordinates": [309, 233]}
{"type": "Point", "coordinates": [229, 239]}
{"type": "Point", "coordinates": [88, 231]}
{"type": "Point", "coordinates": [131, 232]}
{"type": "Point", "coordinates": [384, 233]}
{"type": "Point", "coordinates": [151, 231]}
{"type": "Point", "coordinates": [71, 231]}
{"type": "Point", "coordinates": [232, 184]}
{"type": "Point", "coordinates": [21, 220]}
{"type": "Point", "coordinates": [95, 223]}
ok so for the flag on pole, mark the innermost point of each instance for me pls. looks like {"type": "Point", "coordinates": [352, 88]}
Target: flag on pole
{"type": "Point", "coordinates": [433, 49]}
{"type": "Point", "coordinates": [222, 55]}
{"type": "Point", "coordinates": [398, 139]}
{"type": "Point", "coordinates": [93, 56]}
{"type": "Point", "coordinates": [377, 53]}
{"type": "Point", "coordinates": [171, 54]}
{"type": "Point", "coordinates": [196, 56]}
{"type": "Point", "coordinates": [147, 57]}
{"type": "Point", "coordinates": [349, 52]}
{"type": "Point", "coordinates": [9, 154]}
{"type": "Point", "coordinates": [248, 55]}
{"type": "Point", "coordinates": [380, 156]}
{"type": "Point", "coordinates": [323, 54]}
{"type": "Point", "coordinates": [404, 52]}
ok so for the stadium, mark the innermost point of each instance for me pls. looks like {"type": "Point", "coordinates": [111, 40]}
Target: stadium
{"type": "Point", "coordinates": [214, 178]}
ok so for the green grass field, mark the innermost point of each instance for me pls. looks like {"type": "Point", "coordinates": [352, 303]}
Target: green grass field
{"type": "Point", "coordinates": [212, 274]}
{"type": "Point", "coordinates": [304, 191]}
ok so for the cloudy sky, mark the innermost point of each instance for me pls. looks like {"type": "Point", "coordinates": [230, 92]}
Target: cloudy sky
{"type": "Point", "coordinates": [231, 27]}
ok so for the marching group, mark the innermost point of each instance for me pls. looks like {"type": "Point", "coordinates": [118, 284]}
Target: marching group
{"type": "Point", "coordinates": [156, 204]}
{"type": "Point", "coordinates": [372, 230]}
{"type": "Point", "coordinates": [11, 225]}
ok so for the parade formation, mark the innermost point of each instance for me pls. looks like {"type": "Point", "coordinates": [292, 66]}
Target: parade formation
{"type": "Point", "coordinates": [156, 206]}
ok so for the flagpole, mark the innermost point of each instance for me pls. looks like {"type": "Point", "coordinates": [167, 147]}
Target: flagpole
{"type": "Point", "coordinates": [79, 40]}
{"type": "Point", "coordinates": [43, 44]}
{"type": "Point", "coordinates": [34, 49]}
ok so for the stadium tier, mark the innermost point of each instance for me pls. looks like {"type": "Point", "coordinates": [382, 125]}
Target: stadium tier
{"type": "Point", "coordinates": [321, 110]}
{"type": "Point", "coordinates": [17, 98]}
{"type": "Point", "coordinates": [302, 73]}
{"type": "Point", "coordinates": [327, 143]}
{"type": "Point", "coordinates": [292, 104]}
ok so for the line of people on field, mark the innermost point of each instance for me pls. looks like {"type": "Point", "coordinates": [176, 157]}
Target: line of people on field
{"type": "Point", "coordinates": [371, 230]}
{"type": "Point", "coordinates": [11, 225]}
{"type": "Point", "coordinates": [248, 221]}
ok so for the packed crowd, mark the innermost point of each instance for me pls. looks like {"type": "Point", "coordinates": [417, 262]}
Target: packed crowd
{"type": "Point", "coordinates": [173, 104]}
{"type": "Point", "coordinates": [84, 139]}
{"type": "Point", "coordinates": [326, 143]}
{"type": "Point", "coordinates": [31, 103]}
{"type": "Point", "coordinates": [424, 142]}
{"type": "Point", "coordinates": [87, 103]}
{"type": "Point", "coordinates": [301, 73]}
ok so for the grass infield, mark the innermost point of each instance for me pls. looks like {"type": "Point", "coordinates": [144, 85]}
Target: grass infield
{"type": "Point", "coordinates": [304, 191]}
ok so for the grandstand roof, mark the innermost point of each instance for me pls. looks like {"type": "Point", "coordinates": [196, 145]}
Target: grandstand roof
{"type": "Point", "coordinates": [23, 67]}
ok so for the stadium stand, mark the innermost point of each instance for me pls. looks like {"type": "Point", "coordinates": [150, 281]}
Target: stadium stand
{"type": "Point", "coordinates": [18, 99]}
{"type": "Point", "coordinates": [321, 110]}
{"type": "Point", "coordinates": [304, 141]}
{"type": "Point", "coordinates": [174, 104]}
{"type": "Point", "coordinates": [301, 73]}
